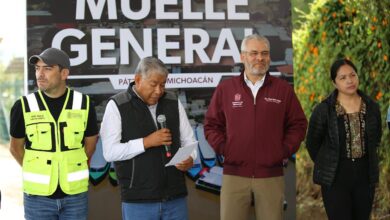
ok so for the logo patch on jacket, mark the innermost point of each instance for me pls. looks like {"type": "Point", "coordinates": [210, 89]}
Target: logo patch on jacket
{"type": "Point", "coordinates": [277, 101]}
{"type": "Point", "coordinates": [237, 101]}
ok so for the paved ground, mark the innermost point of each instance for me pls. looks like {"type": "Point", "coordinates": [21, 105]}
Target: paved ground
{"type": "Point", "coordinates": [10, 186]}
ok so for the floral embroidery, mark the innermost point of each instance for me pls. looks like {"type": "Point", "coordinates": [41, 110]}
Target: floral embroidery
{"type": "Point", "coordinates": [354, 130]}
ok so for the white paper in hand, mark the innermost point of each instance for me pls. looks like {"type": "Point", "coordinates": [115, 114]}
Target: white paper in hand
{"type": "Point", "coordinates": [182, 154]}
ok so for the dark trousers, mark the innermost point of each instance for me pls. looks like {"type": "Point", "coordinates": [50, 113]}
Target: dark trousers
{"type": "Point", "coordinates": [351, 196]}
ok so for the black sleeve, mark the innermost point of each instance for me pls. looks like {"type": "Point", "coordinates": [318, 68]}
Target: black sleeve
{"type": "Point", "coordinates": [92, 128]}
{"type": "Point", "coordinates": [379, 124]}
{"type": "Point", "coordinates": [316, 131]}
{"type": "Point", "coordinates": [17, 128]}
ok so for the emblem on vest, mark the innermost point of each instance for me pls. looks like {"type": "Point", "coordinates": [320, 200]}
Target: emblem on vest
{"type": "Point", "coordinates": [237, 103]}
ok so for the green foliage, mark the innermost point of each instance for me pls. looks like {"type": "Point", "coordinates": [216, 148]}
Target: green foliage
{"type": "Point", "coordinates": [358, 30]}
{"type": "Point", "coordinates": [299, 7]}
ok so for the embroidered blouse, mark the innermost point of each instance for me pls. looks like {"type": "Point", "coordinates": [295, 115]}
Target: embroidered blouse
{"type": "Point", "coordinates": [352, 127]}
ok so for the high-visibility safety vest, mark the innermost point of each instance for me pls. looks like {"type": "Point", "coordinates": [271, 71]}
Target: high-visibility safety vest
{"type": "Point", "coordinates": [54, 152]}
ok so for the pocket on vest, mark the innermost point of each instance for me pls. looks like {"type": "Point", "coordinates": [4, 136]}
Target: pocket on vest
{"type": "Point", "coordinates": [37, 173]}
{"type": "Point", "coordinates": [73, 135]}
{"type": "Point", "coordinates": [40, 136]}
{"type": "Point", "coordinates": [74, 174]}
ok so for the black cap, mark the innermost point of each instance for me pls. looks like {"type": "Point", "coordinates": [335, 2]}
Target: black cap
{"type": "Point", "coordinates": [52, 56]}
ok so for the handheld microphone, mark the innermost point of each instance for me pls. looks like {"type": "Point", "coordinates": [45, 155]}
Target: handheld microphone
{"type": "Point", "coordinates": [161, 119]}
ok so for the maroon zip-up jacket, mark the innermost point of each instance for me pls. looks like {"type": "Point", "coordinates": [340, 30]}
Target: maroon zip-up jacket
{"type": "Point", "coordinates": [254, 136]}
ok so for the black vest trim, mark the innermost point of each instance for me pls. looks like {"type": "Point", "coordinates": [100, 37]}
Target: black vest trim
{"type": "Point", "coordinates": [26, 106]}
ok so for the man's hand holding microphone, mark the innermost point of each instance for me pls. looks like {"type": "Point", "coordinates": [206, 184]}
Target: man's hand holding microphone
{"type": "Point", "coordinates": [163, 137]}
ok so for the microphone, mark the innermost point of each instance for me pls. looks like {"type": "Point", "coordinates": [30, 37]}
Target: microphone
{"type": "Point", "coordinates": [161, 119]}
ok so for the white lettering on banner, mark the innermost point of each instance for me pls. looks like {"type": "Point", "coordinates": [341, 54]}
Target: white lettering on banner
{"type": "Point", "coordinates": [210, 13]}
{"type": "Point", "coordinates": [174, 81]}
{"type": "Point", "coordinates": [226, 45]}
{"type": "Point", "coordinates": [162, 14]}
{"type": "Point", "coordinates": [169, 46]}
{"type": "Point", "coordinates": [96, 8]}
{"type": "Point", "coordinates": [125, 81]}
{"type": "Point", "coordinates": [191, 47]}
{"type": "Point", "coordinates": [199, 80]}
{"type": "Point", "coordinates": [99, 46]}
{"type": "Point", "coordinates": [231, 9]}
{"type": "Point", "coordinates": [226, 37]}
{"type": "Point", "coordinates": [164, 46]}
{"type": "Point", "coordinates": [135, 15]}
{"type": "Point", "coordinates": [81, 49]}
{"type": "Point", "coordinates": [127, 38]}
{"type": "Point", "coordinates": [188, 13]}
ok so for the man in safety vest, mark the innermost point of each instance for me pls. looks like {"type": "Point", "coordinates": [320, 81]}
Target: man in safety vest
{"type": "Point", "coordinates": [53, 133]}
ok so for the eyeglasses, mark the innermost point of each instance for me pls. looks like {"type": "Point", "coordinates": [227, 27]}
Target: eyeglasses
{"type": "Point", "coordinates": [254, 53]}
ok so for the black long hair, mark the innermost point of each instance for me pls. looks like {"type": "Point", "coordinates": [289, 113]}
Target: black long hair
{"type": "Point", "coordinates": [336, 66]}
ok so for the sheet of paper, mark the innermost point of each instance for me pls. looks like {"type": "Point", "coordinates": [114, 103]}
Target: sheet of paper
{"type": "Point", "coordinates": [182, 154]}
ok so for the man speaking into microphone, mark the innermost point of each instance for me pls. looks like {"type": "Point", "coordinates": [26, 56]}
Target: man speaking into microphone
{"type": "Point", "coordinates": [142, 129]}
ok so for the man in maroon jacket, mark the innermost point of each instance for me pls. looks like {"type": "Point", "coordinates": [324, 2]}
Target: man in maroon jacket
{"type": "Point", "coordinates": [255, 121]}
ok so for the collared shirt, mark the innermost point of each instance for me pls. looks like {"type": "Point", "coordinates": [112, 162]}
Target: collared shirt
{"type": "Point", "coordinates": [111, 130]}
{"type": "Point", "coordinates": [254, 87]}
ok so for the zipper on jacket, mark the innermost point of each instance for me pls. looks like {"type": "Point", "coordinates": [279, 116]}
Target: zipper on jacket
{"type": "Point", "coordinates": [162, 154]}
{"type": "Point", "coordinates": [132, 174]}
{"type": "Point", "coordinates": [162, 157]}
{"type": "Point", "coordinates": [254, 130]}
{"type": "Point", "coordinates": [165, 178]}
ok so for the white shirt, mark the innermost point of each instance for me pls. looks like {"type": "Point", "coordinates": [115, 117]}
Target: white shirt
{"type": "Point", "coordinates": [254, 87]}
{"type": "Point", "coordinates": [111, 130]}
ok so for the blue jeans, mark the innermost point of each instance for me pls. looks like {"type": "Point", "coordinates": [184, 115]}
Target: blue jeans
{"type": "Point", "coordinates": [71, 207]}
{"type": "Point", "coordinates": [169, 210]}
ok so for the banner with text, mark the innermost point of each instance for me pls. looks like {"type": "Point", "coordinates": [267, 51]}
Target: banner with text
{"type": "Point", "coordinates": [106, 38]}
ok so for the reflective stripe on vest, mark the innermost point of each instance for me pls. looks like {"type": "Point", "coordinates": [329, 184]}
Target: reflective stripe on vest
{"type": "Point", "coordinates": [32, 102]}
{"type": "Point", "coordinates": [36, 178]}
{"type": "Point", "coordinates": [56, 155]}
{"type": "Point", "coordinates": [79, 175]}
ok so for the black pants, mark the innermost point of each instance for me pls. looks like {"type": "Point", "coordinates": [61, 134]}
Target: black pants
{"type": "Point", "coordinates": [351, 196]}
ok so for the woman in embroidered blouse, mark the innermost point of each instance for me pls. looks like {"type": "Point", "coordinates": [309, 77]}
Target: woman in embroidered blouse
{"type": "Point", "coordinates": [343, 135]}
